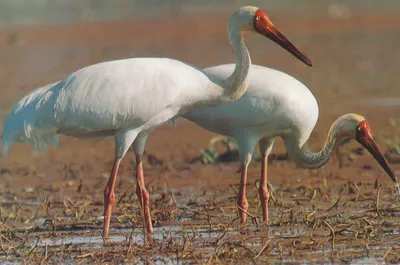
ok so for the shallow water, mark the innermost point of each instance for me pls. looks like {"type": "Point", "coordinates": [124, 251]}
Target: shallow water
{"type": "Point", "coordinates": [124, 235]}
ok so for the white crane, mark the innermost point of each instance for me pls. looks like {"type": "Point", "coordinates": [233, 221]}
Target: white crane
{"type": "Point", "coordinates": [129, 98]}
{"type": "Point", "coordinates": [277, 104]}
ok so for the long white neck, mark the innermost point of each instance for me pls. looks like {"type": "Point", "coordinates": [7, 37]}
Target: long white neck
{"type": "Point", "coordinates": [237, 83]}
{"type": "Point", "coordinates": [303, 157]}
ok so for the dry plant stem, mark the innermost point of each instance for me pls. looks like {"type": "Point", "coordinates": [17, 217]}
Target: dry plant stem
{"type": "Point", "coordinates": [109, 198]}
{"type": "Point", "coordinates": [387, 252]}
{"type": "Point", "coordinates": [46, 253]}
{"type": "Point", "coordinates": [358, 189]}
{"type": "Point", "coordinates": [1, 246]}
{"type": "Point", "coordinates": [271, 192]}
{"type": "Point", "coordinates": [335, 205]}
{"type": "Point", "coordinates": [332, 233]}
{"type": "Point", "coordinates": [377, 200]}
{"type": "Point", "coordinates": [37, 211]}
{"type": "Point", "coordinates": [245, 212]}
{"type": "Point", "coordinates": [263, 249]}
{"type": "Point", "coordinates": [1, 215]}
{"type": "Point", "coordinates": [313, 195]}
{"type": "Point", "coordinates": [33, 247]}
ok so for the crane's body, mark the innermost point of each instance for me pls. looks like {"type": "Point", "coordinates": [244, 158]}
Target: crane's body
{"type": "Point", "coordinates": [276, 104]}
{"type": "Point", "coordinates": [129, 98]}
{"type": "Point", "coordinates": [102, 100]}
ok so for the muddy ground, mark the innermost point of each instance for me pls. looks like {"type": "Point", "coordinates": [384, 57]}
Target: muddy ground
{"type": "Point", "coordinates": [345, 212]}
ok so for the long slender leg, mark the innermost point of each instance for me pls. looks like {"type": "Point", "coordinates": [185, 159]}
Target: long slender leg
{"type": "Point", "coordinates": [246, 143]}
{"type": "Point", "coordinates": [109, 197]}
{"type": "Point", "coordinates": [265, 150]}
{"type": "Point", "coordinates": [143, 196]}
{"type": "Point", "coordinates": [263, 190]}
{"type": "Point", "coordinates": [241, 199]}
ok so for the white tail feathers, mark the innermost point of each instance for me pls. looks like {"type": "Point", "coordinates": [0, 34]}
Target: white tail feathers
{"type": "Point", "coordinates": [5, 146]}
{"type": "Point", "coordinates": [38, 138]}
{"type": "Point", "coordinates": [23, 123]}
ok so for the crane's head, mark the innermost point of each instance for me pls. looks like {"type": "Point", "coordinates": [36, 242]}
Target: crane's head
{"type": "Point", "coordinates": [250, 18]}
{"type": "Point", "coordinates": [356, 127]}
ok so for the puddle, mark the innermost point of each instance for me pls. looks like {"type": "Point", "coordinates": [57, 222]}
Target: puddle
{"type": "Point", "coordinates": [93, 240]}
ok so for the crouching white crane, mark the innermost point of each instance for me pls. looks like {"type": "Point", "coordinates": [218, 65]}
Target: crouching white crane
{"type": "Point", "coordinates": [276, 104]}
{"type": "Point", "coordinates": [129, 98]}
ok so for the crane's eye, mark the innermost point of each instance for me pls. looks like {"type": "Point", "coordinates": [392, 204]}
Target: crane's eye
{"type": "Point", "coordinates": [363, 130]}
{"type": "Point", "coordinates": [258, 18]}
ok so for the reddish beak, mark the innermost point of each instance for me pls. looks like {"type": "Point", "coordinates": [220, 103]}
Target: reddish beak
{"type": "Point", "coordinates": [275, 35]}
{"type": "Point", "coordinates": [369, 144]}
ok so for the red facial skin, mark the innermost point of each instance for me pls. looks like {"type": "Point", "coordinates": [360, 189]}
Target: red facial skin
{"type": "Point", "coordinates": [262, 21]}
{"type": "Point", "coordinates": [364, 137]}
{"type": "Point", "coordinates": [264, 26]}
{"type": "Point", "coordinates": [363, 130]}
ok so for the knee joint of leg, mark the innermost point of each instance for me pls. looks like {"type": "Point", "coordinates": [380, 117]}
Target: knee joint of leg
{"type": "Point", "coordinates": [138, 191]}
{"type": "Point", "coordinates": [106, 192]}
{"type": "Point", "coordinates": [112, 198]}
{"type": "Point", "coordinates": [243, 203]}
{"type": "Point", "coordinates": [264, 192]}
{"type": "Point", "coordinates": [146, 195]}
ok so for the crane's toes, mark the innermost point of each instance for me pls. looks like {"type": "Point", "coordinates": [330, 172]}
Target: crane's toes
{"type": "Point", "coordinates": [149, 239]}
{"type": "Point", "coordinates": [244, 230]}
{"type": "Point", "coordinates": [106, 241]}
{"type": "Point", "coordinates": [263, 226]}
{"type": "Point", "coordinates": [110, 243]}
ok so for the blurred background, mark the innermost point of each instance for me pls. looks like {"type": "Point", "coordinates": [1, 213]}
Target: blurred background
{"type": "Point", "coordinates": [354, 45]}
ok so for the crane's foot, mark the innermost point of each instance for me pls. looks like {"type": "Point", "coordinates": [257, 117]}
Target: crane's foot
{"type": "Point", "coordinates": [146, 211]}
{"type": "Point", "coordinates": [144, 200]}
{"type": "Point", "coordinates": [109, 200]}
{"type": "Point", "coordinates": [106, 226]}
{"type": "Point", "coordinates": [110, 242]}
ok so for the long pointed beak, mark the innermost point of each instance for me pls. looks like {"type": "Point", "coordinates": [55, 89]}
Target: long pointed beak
{"type": "Point", "coordinates": [275, 35]}
{"type": "Point", "coordinates": [370, 145]}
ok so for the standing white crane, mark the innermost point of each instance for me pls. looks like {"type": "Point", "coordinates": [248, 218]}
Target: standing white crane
{"type": "Point", "coordinates": [277, 104]}
{"type": "Point", "coordinates": [129, 98]}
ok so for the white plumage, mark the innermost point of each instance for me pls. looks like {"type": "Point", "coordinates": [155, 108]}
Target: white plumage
{"type": "Point", "coordinates": [276, 104]}
{"type": "Point", "coordinates": [118, 98]}
{"type": "Point", "coordinates": [129, 98]}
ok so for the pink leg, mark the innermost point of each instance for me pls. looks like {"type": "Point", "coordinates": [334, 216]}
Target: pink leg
{"type": "Point", "coordinates": [143, 196]}
{"type": "Point", "coordinates": [109, 198]}
{"type": "Point", "coordinates": [241, 200]}
{"type": "Point", "coordinates": [263, 190]}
